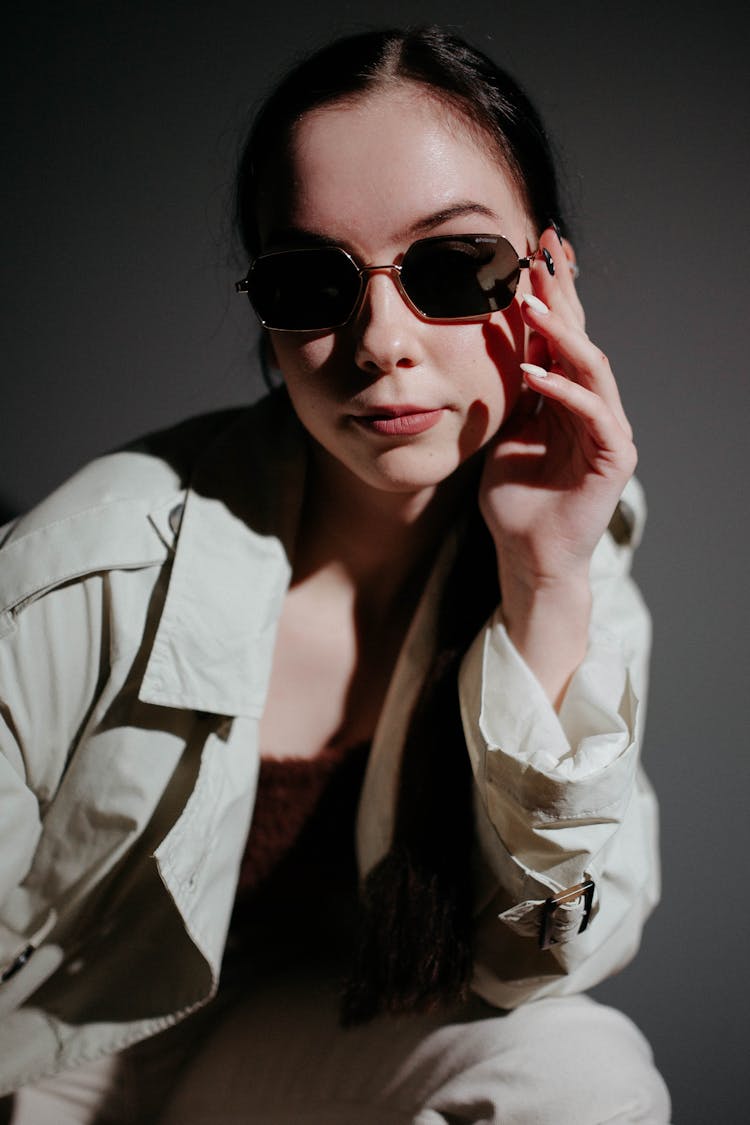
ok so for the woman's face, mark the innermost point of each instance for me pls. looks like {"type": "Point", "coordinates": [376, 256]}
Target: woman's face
{"type": "Point", "coordinates": [372, 176]}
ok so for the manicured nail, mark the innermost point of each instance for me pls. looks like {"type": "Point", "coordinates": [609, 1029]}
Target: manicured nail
{"type": "Point", "coordinates": [548, 261]}
{"type": "Point", "coordinates": [535, 370]}
{"type": "Point", "coordinates": [556, 229]}
{"type": "Point", "coordinates": [535, 304]}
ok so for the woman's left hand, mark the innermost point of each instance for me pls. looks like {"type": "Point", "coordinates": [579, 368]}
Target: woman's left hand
{"type": "Point", "coordinates": [554, 474]}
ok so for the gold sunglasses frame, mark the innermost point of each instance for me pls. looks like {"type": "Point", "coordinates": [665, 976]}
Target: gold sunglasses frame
{"type": "Point", "coordinates": [394, 270]}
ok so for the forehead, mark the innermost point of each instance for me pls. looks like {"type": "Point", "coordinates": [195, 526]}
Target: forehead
{"type": "Point", "coordinates": [369, 170]}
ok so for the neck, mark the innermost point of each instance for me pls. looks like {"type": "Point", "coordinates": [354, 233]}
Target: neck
{"type": "Point", "coordinates": [375, 541]}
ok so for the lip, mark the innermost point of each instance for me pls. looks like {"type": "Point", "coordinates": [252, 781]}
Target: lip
{"type": "Point", "coordinates": [400, 421]}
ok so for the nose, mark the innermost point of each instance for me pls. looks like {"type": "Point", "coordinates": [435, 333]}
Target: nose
{"type": "Point", "coordinates": [387, 331]}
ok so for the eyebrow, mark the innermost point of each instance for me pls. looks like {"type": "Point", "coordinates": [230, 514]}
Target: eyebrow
{"type": "Point", "coordinates": [456, 210]}
{"type": "Point", "coordinates": [292, 237]}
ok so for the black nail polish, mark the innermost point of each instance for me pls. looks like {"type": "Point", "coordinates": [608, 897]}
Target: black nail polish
{"type": "Point", "coordinates": [556, 229]}
{"type": "Point", "coordinates": [548, 261]}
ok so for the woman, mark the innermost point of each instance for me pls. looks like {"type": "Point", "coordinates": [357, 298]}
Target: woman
{"type": "Point", "coordinates": [291, 614]}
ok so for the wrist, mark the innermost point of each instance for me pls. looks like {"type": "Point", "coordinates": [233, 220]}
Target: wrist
{"type": "Point", "coordinates": [548, 622]}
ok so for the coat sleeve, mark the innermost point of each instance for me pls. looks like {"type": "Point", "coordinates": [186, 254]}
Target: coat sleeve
{"type": "Point", "coordinates": [48, 675]}
{"type": "Point", "coordinates": [561, 798]}
{"type": "Point", "coordinates": [55, 642]}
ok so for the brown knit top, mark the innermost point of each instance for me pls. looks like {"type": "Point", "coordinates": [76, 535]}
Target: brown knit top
{"type": "Point", "coordinates": [297, 891]}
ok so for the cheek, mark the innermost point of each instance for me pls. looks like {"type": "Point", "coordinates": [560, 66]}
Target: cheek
{"type": "Point", "coordinates": [482, 362]}
{"type": "Point", "coordinates": [297, 356]}
{"type": "Point", "coordinates": [305, 367]}
{"type": "Point", "coordinates": [505, 340]}
{"type": "Point", "coordinates": [309, 377]}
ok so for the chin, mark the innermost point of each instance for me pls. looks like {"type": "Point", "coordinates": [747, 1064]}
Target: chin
{"type": "Point", "coordinates": [408, 470]}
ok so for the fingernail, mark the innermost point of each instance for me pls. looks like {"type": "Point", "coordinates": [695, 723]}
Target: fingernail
{"type": "Point", "coordinates": [556, 229]}
{"type": "Point", "coordinates": [535, 370]}
{"type": "Point", "coordinates": [535, 304]}
{"type": "Point", "coordinates": [548, 261]}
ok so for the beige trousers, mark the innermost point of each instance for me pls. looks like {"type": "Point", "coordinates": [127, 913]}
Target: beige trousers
{"type": "Point", "coordinates": [282, 1059]}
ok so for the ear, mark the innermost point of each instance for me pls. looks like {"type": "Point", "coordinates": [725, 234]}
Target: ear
{"type": "Point", "coordinates": [570, 254]}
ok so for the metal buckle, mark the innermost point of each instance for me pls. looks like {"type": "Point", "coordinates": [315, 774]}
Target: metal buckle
{"type": "Point", "coordinates": [585, 890]}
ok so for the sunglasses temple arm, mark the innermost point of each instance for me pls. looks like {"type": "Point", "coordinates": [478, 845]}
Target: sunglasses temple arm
{"type": "Point", "coordinates": [525, 263]}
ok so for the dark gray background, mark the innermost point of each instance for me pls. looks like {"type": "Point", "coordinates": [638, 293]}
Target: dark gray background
{"type": "Point", "coordinates": [120, 131]}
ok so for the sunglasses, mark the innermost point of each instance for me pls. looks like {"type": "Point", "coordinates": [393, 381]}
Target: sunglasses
{"type": "Point", "coordinates": [443, 278]}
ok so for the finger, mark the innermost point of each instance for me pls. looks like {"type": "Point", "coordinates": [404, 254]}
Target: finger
{"type": "Point", "coordinates": [601, 423]}
{"type": "Point", "coordinates": [570, 348]}
{"type": "Point", "coordinates": [557, 289]}
{"type": "Point", "coordinates": [537, 351]}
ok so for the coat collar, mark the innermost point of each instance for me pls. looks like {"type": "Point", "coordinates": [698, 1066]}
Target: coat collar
{"type": "Point", "coordinates": [235, 533]}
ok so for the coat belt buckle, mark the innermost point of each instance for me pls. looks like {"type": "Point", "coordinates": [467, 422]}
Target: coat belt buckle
{"type": "Point", "coordinates": [583, 890]}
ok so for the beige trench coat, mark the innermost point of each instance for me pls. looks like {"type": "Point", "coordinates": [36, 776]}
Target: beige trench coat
{"type": "Point", "coordinates": [138, 607]}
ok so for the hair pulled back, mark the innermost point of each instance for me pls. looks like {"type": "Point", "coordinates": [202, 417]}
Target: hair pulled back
{"type": "Point", "coordinates": [447, 67]}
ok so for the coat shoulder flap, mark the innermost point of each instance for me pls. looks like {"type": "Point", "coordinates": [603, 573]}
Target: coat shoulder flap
{"type": "Point", "coordinates": [111, 514]}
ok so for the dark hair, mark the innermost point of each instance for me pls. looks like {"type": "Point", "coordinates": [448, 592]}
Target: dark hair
{"type": "Point", "coordinates": [415, 937]}
{"type": "Point", "coordinates": [445, 65]}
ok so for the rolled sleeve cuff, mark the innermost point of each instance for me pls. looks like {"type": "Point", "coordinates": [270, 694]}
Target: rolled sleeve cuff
{"type": "Point", "coordinates": [594, 727]}
{"type": "Point", "coordinates": [554, 786]}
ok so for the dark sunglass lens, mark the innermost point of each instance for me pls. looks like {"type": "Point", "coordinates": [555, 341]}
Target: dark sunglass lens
{"type": "Point", "coordinates": [304, 290]}
{"type": "Point", "coordinates": [453, 278]}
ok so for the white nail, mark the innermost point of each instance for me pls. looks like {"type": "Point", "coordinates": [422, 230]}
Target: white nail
{"type": "Point", "coordinates": [534, 303]}
{"type": "Point", "coordinates": [534, 369]}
